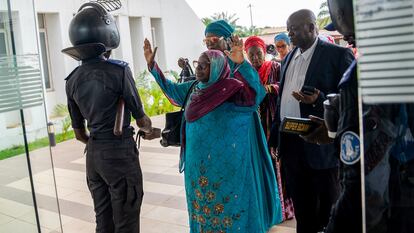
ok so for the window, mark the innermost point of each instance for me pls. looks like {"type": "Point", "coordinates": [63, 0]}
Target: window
{"type": "Point", "coordinates": [44, 51]}
{"type": "Point", "coordinates": [5, 48]}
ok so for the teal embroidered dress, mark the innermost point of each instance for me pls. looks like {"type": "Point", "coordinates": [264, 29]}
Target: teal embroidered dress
{"type": "Point", "coordinates": [229, 179]}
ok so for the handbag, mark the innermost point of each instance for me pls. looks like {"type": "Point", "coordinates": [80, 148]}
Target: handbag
{"type": "Point", "coordinates": [171, 134]}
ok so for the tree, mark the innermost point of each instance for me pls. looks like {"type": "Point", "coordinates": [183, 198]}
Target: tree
{"type": "Point", "coordinates": [232, 19]}
{"type": "Point", "coordinates": [247, 31]}
{"type": "Point", "coordinates": [323, 18]}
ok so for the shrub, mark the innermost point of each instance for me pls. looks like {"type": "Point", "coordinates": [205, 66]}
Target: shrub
{"type": "Point", "coordinates": [61, 110]}
{"type": "Point", "coordinates": [152, 97]}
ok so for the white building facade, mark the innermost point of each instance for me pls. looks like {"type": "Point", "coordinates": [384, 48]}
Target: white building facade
{"type": "Point", "coordinates": [169, 24]}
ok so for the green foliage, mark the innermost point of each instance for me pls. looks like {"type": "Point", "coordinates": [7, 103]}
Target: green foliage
{"type": "Point", "coordinates": [42, 142]}
{"type": "Point", "coordinates": [66, 124]}
{"type": "Point", "coordinates": [61, 110]}
{"type": "Point", "coordinates": [323, 18]}
{"type": "Point", "coordinates": [152, 97]}
{"type": "Point", "coordinates": [232, 19]}
{"type": "Point", "coordinates": [246, 31]}
{"type": "Point", "coordinates": [143, 80]}
{"type": "Point", "coordinates": [174, 74]}
{"type": "Point", "coordinates": [206, 20]}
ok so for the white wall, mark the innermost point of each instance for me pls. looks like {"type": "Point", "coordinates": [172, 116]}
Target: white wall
{"type": "Point", "coordinates": [24, 27]}
{"type": "Point", "coordinates": [159, 41]}
{"type": "Point", "coordinates": [150, 8]}
{"type": "Point", "coordinates": [124, 51]}
{"type": "Point", "coordinates": [183, 30]}
{"type": "Point", "coordinates": [178, 33]}
{"type": "Point", "coordinates": [57, 71]}
{"type": "Point", "coordinates": [137, 35]}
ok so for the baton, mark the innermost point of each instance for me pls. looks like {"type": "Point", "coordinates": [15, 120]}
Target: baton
{"type": "Point", "coordinates": [119, 119]}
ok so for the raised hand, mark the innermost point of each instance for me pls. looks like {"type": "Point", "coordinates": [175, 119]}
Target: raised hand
{"type": "Point", "coordinates": [148, 53]}
{"type": "Point", "coordinates": [181, 62]}
{"type": "Point", "coordinates": [236, 50]}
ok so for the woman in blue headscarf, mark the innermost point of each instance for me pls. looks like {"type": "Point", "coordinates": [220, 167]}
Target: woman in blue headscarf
{"type": "Point", "coordinates": [282, 43]}
{"type": "Point", "coordinates": [229, 178]}
{"type": "Point", "coordinates": [219, 36]}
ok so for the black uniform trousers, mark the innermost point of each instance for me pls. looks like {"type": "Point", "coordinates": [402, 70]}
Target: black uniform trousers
{"type": "Point", "coordinates": [346, 215]}
{"type": "Point", "coordinates": [114, 179]}
{"type": "Point", "coordinates": [313, 191]}
{"type": "Point", "coordinates": [401, 188]}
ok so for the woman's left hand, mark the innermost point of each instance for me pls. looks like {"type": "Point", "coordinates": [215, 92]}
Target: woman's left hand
{"type": "Point", "coordinates": [148, 53]}
{"type": "Point", "coordinates": [236, 52]}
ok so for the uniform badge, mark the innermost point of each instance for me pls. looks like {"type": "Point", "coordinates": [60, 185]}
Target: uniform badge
{"type": "Point", "coordinates": [350, 148]}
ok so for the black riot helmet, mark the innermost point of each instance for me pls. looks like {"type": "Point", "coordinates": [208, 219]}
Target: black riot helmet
{"type": "Point", "coordinates": [92, 32]}
{"type": "Point", "coordinates": [342, 16]}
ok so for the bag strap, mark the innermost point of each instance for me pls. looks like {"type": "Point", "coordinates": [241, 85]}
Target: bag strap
{"type": "Point", "coordinates": [181, 165]}
{"type": "Point", "coordinates": [188, 95]}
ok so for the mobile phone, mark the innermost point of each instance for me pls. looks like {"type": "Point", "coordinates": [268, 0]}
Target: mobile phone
{"type": "Point", "coordinates": [308, 90]}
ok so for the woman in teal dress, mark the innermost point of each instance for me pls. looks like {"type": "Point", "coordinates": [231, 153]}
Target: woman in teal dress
{"type": "Point", "coordinates": [229, 178]}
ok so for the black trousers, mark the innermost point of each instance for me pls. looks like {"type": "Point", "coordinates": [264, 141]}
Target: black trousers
{"type": "Point", "coordinates": [313, 191]}
{"type": "Point", "coordinates": [401, 188]}
{"type": "Point", "coordinates": [346, 215]}
{"type": "Point", "coordinates": [114, 179]}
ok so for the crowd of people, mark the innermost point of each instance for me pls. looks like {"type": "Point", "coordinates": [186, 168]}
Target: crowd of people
{"type": "Point", "coordinates": [243, 172]}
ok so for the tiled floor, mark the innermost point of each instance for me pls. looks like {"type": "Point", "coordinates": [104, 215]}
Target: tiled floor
{"type": "Point", "coordinates": [163, 209]}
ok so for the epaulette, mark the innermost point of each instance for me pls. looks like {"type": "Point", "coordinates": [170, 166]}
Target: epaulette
{"type": "Point", "coordinates": [346, 78]}
{"type": "Point", "coordinates": [71, 73]}
{"type": "Point", "coordinates": [118, 62]}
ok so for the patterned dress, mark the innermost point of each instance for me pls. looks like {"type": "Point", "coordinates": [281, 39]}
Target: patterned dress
{"type": "Point", "coordinates": [229, 178]}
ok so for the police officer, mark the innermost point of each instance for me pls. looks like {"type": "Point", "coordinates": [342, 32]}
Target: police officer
{"type": "Point", "coordinates": [384, 213]}
{"type": "Point", "coordinates": [346, 216]}
{"type": "Point", "coordinates": [93, 91]}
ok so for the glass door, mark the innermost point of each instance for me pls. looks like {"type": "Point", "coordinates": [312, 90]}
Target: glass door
{"type": "Point", "coordinates": [28, 194]}
{"type": "Point", "coordinates": [385, 39]}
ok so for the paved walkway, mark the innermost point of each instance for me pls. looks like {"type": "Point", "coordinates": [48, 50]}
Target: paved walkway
{"type": "Point", "coordinates": [163, 209]}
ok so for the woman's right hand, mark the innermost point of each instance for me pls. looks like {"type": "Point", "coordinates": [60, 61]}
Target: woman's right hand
{"type": "Point", "coordinates": [148, 53]}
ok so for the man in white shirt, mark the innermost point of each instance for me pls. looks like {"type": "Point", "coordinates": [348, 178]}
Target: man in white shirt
{"type": "Point", "coordinates": [310, 170]}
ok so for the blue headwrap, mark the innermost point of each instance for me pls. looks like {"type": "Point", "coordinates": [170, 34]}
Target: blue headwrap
{"type": "Point", "coordinates": [220, 28]}
{"type": "Point", "coordinates": [282, 36]}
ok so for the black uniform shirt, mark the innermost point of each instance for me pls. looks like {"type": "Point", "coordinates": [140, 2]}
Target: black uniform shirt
{"type": "Point", "coordinates": [93, 90]}
{"type": "Point", "coordinates": [349, 117]}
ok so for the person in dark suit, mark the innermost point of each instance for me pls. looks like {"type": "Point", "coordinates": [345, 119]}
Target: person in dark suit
{"type": "Point", "coordinates": [310, 170]}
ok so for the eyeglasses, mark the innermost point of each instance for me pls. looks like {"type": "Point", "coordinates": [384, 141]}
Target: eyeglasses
{"type": "Point", "coordinates": [281, 46]}
{"type": "Point", "coordinates": [200, 65]}
{"type": "Point", "coordinates": [212, 39]}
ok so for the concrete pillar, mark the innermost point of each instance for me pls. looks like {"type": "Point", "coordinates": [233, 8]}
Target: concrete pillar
{"type": "Point", "coordinates": [124, 51]}
{"type": "Point", "coordinates": [140, 29]}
